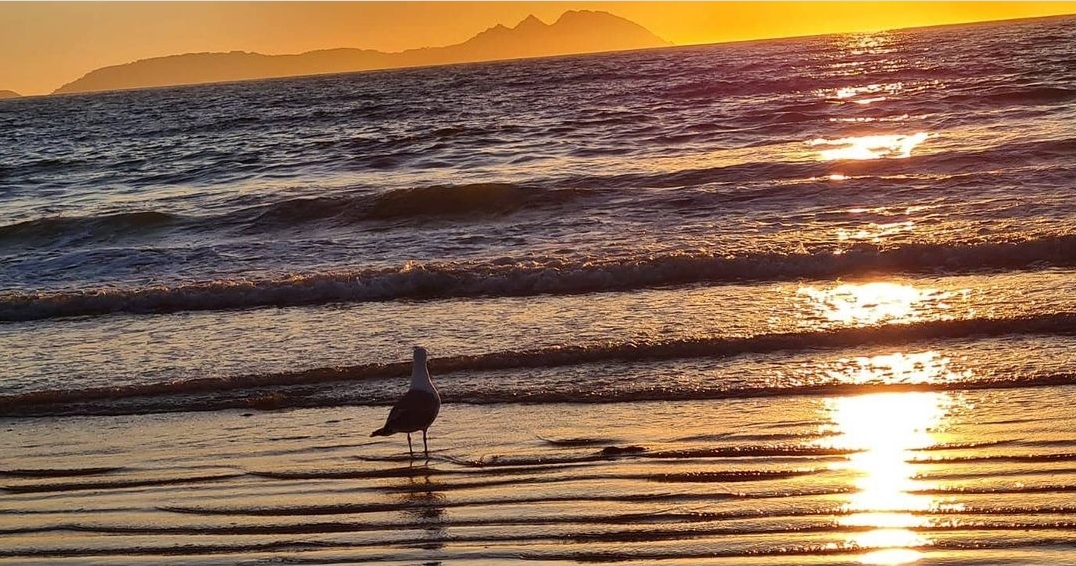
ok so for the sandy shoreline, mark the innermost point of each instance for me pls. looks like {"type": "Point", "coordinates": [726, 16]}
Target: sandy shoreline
{"type": "Point", "coordinates": [939, 477]}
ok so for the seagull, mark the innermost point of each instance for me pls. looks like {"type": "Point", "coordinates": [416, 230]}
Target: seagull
{"type": "Point", "coordinates": [417, 409]}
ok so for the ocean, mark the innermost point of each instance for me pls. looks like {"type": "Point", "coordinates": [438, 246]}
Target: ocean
{"type": "Point", "coordinates": [799, 301]}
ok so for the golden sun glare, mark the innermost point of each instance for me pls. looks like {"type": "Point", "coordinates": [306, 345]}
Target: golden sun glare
{"type": "Point", "coordinates": [876, 302]}
{"type": "Point", "coordinates": [869, 147]}
{"type": "Point", "coordinates": [886, 428]}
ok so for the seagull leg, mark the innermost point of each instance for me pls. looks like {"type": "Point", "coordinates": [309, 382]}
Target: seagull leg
{"type": "Point", "coordinates": [425, 448]}
{"type": "Point", "coordinates": [409, 450]}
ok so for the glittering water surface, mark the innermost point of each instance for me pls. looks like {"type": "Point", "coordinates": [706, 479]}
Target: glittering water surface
{"type": "Point", "coordinates": [806, 301]}
{"type": "Point", "coordinates": [950, 477]}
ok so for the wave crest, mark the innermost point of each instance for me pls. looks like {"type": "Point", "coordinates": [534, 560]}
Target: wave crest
{"type": "Point", "coordinates": [291, 389]}
{"type": "Point", "coordinates": [470, 201]}
{"type": "Point", "coordinates": [84, 228]}
{"type": "Point", "coordinates": [501, 278]}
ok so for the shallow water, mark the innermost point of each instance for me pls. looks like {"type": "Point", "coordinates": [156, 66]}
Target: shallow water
{"type": "Point", "coordinates": [961, 477]}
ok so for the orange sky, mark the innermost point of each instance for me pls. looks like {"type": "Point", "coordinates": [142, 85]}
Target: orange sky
{"type": "Point", "coordinates": [46, 44]}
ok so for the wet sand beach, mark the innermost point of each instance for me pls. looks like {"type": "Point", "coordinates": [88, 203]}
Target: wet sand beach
{"type": "Point", "coordinates": [983, 477]}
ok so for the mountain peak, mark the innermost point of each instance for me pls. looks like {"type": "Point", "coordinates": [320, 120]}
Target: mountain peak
{"type": "Point", "coordinates": [577, 31]}
{"type": "Point", "coordinates": [582, 15]}
{"type": "Point", "coordinates": [530, 21]}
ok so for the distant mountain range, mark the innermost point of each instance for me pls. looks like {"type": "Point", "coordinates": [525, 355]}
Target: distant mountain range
{"type": "Point", "coordinates": [8, 94]}
{"type": "Point", "coordinates": [574, 32]}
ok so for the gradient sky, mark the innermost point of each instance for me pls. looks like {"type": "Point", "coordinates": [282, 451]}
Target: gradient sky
{"type": "Point", "coordinates": [46, 44]}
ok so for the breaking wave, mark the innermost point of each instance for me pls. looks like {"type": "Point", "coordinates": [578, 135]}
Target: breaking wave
{"type": "Point", "coordinates": [506, 278]}
{"type": "Point", "coordinates": [476, 200]}
{"type": "Point", "coordinates": [470, 201]}
{"type": "Point", "coordinates": [69, 229]}
{"type": "Point", "coordinates": [366, 384]}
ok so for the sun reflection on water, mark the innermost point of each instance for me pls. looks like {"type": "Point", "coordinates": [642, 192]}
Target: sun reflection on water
{"type": "Point", "coordinates": [868, 147]}
{"type": "Point", "coordinates": [877, 302]}
{"type": "Point", "coordinates": [886, 427]}
{"type": "Point", "coordinates": [863, 94]}
{"type": "Point", "coordinates": [875, 232]}
{"type": "Point", "coordinates": [900, 367]}
{"type": "Point", "coordinates": [877, 43]}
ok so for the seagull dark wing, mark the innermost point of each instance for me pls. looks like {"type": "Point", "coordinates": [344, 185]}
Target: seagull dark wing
{"type": "Point", "coordinates": [416, 410]}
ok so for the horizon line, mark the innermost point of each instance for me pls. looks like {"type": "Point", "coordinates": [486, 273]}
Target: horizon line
{"type": "Point", "coordinates": [529, 16]}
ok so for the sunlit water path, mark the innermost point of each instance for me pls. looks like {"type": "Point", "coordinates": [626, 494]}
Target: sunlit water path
{"type": "Point", "coordinates": [889, 478]}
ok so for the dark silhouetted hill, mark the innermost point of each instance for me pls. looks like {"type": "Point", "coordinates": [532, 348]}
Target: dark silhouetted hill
{"type": "Point", "coordinates": [573, 32]}
{"type": "Point", "coordinates": [9, 94]}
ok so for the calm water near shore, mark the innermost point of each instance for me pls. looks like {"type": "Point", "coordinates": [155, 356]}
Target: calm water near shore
{"type": "Point", "coordinates": [979, 477]}
{"type": "Point", "coordinates": [806, 301]}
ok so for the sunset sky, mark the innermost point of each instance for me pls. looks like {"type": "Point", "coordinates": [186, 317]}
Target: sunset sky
{"type": "Point", "coordinates": [46, 44]}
